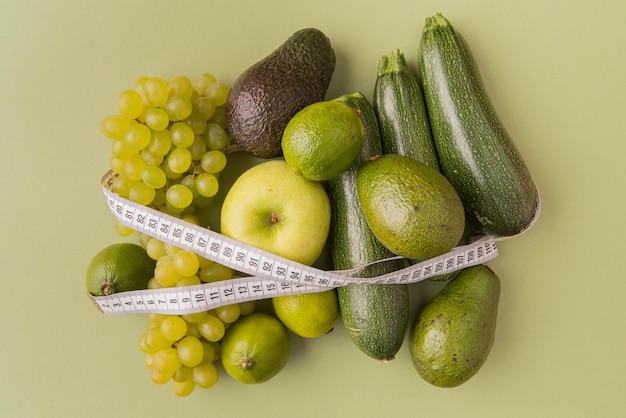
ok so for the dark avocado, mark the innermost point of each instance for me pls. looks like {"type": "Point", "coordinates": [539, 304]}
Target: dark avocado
{"type": "Point", "coordinates": [266, 96]}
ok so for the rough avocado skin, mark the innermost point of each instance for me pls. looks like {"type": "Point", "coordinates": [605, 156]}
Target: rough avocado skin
{"type": "Point", "coordinates": [267, 95]}
{"type": "Point", "coordinates": [453, 334]}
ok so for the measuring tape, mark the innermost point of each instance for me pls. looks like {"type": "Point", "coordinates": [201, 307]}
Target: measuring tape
{"type": "Point", "coordinates": [269, 275]}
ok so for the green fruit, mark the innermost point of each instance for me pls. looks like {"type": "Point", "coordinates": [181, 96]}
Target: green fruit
{"type": "Point", "coordinates": [309, 315]}
{"type": "Point", "coordinates": [322, 140]}
{"type": "Point", "coordinates": [268, 94]}
{"type": "Point", "coordinates": [255, 348]}
{"type": "Point", "coordinates": [453, 334]}
{"type": "Point", "coordinates": [411, 208]}
{"type": "Point", "coordinates": [119, 268]}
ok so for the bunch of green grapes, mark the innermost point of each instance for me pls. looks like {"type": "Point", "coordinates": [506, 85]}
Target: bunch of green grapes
{"type": "Point", "coordinates": [167, 143]}
{"type": "Point", "coordinates": [183, 349]}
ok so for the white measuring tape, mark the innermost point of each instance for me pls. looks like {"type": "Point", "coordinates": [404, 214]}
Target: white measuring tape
{"type": "Point", "coordinates": [270, 275]}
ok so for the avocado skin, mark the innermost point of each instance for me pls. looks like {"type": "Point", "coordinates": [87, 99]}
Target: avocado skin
{"type": "Point", "coordinates": [267, 95]}
{"type": "Point", "coordinates": [453, 334]}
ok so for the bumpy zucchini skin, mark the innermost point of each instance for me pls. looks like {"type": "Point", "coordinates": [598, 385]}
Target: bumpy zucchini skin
{"type": "Point", "coordinates": [401, 111]}
{"type": "Point", "coordinates": [375, 315]}
{"type": "Point", "coordinates": [475, 152]}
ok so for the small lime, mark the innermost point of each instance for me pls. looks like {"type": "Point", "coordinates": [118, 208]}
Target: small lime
{"type": "Point", "coordinates": [119, 268]}
{"type": "Point", "coordinates": [255, 348]}
{"type": "Point", "coordinates": [322, 140]}
{"type": "Point", "coordinates": [308, 315]}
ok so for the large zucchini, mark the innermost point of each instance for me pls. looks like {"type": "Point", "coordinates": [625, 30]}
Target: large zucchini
{"type": "Point", "coordinates": [401, 111]}
{"type": "Point", "coordinates": [374, 315]}
{"type": "Point", "coordinates": [475, 152]}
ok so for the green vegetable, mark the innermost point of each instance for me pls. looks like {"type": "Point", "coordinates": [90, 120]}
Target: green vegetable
{"type": "Point", "coordinates": [375, 315]}
{"type": "Point", "coordinates": [475, 152]}
{"type": "Point", "coordinates": [453, 334]}
{"type": "Point", "coordinates": [401, 111]}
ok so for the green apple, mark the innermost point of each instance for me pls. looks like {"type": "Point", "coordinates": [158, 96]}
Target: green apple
{"type": "Point", "coordinates": [272, 207]}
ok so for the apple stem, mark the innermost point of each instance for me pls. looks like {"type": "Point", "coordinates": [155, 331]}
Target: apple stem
{"type": "Point", "coordinates": [274, 218]}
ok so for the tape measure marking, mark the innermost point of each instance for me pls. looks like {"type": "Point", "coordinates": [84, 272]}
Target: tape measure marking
{"type": "Point", "coordinates": [269, 274]}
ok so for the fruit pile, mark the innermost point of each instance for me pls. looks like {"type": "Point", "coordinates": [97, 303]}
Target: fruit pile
{"type": "Point", "coordinates": [386, 185]}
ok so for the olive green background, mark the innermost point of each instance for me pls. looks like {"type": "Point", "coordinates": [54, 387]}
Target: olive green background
{"type": "Point", "coordinates": [555, 72]}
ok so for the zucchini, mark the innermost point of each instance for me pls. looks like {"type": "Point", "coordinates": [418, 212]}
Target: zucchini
{"type": "Point", "coordinates": [401, 111]}
{"type": "Point", "coordinates": [475, 152]}
{"type": "Point", "coordinates": [375, 315]}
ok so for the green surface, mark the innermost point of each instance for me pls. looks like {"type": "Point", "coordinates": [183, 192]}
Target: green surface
{"type": "Point", "coordinates": [555, 72]}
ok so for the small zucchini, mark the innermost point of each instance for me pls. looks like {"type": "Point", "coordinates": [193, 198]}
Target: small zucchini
{"type": "Point", "coordinates": [375, 315]}
{"type": "Point", "coordinates": [401, 111]}
{"type": "Point", "coordinates": [475, 152]}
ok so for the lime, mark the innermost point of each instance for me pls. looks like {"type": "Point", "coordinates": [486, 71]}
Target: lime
{"type": "Point", "coordinates": [322, 140]}
{"type": "Point", "coordinates": [255, 348]}
{"type": "Point", "coordinates": [119, 268]}
{"type": "Point", "coordinates": [308, 315]}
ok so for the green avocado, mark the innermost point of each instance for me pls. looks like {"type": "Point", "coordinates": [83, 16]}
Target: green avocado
{"type": "Point", "coordinates": [267, 95]}
{"type": "Point", "coordinates": [411, 208]}
{"type": "Point", "coordinates": [453, 334]}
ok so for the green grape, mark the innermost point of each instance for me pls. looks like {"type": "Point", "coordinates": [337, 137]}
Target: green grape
{"type": "Point", "coordinates": [156, 118]}
{"type": "Point", "coordinates": [178, 108]}
{"type": "Point", "coordinates": [213, 161]}
{"type": "Point", "coordinates": [160, 142]}
{"type": "Point", "coordinates": [186, 263]}
{"type": "Point", "coordinates": [114, 126]}
{"type": "Point", "coordinates": [154, 177]}
{"type": "Point", "coordinates": [182, 135]}
{"type": "Point", "coordinates": [205, 375]}
{"type": "Point", "coordinates": [204, 107]}
{"type": "Point", "coordinates": [196, 122]}
{"type": "Point", "coordinates": [173, 328]}
{"type": "Point", "coordinates": [166, 361]}
{"type": "Point", "coordinates": [155, 91]}
{"type": "Point", "coordinates": [215, 272]}
{"type": "Point", "coordinates": [179, 196]}
{"type": "Point", "coordinates": [154, 320]}
{"type": "Point", "coordinates": [160, 378]}
{"type": "Point", "coordinates": [219, 117]}
{"type": "Point", "coordinates": [189, 281]}
{"type": "Point", "coordinates": [123, 230]}
{"type": "Point", "coordinates": [139, 86]}
{"type": "Point", "coordinates": [215, 136]}
{"type": "Point", "coordinates": [171, 250]}
{"type": "Point", "coordinates": [228, 313]}
{"type": "Point", "coordinates": [141, 193]}
{"type": "Point", "coordinates": [192, 330]}
{"type": "Point", "coordinates": [130, 104]}
{"type": "Point", "coordinates": [246, 308]}
{"type": "Point", "coordinates": [191, 219]}
{"type": "Point", "coordinates": [190, 351]}
{"type": "Point", "coordinates": [117, 164]}
{"type": "Point", "coordinates": [121, 185]}
{"type": "Point", "coordinates": [159, 197]}
{"type": "Point", "coordinates": [212, 351]}
{"type": "Point", "coordinates": [211, 328]}
{"type": "Point", "coordinates": [183, 373]}
{"type": "Point", "coordinates": [180, 86]}
{"type": "Point", "coordinates": [189, 181]}
{"type": "Point", "coordinates": [150, 158]}
{"type": "Point", "coordinates": [217, 92]}
{"type": "Point", "coordinates": [155, 340]}
{"type": "Point", "coordinates": [203, 81]}
{"type": "Point", "coordinates": [184, 388]}
{"type": "Point", "coordinates": [171, 175]}
{"type": "Point", "coordinates": [194, 317]}
{"type": "Point", "coordinates": [143, 346]}
{"type": "Point", "coordinates": [203, 201]}
{"type": "Point", "coordinates": [198, 148]}
{"type": "Point", "coordinates": [147, 360]}
{"type": "Point", "coordinates": [207, 184]}
{"type": "Point", "coordinates": [153, 284]}
{"type": "Point", "coordinates": [120, 150]}
{"type": "Point", "coordinates": [137, 136]}
{"type": "Point", "coordinates": [179, 160]}
{"type": "Point", "coordinates": [133, 167]}
{"type": "Point", "coordinates": [165, 274]}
